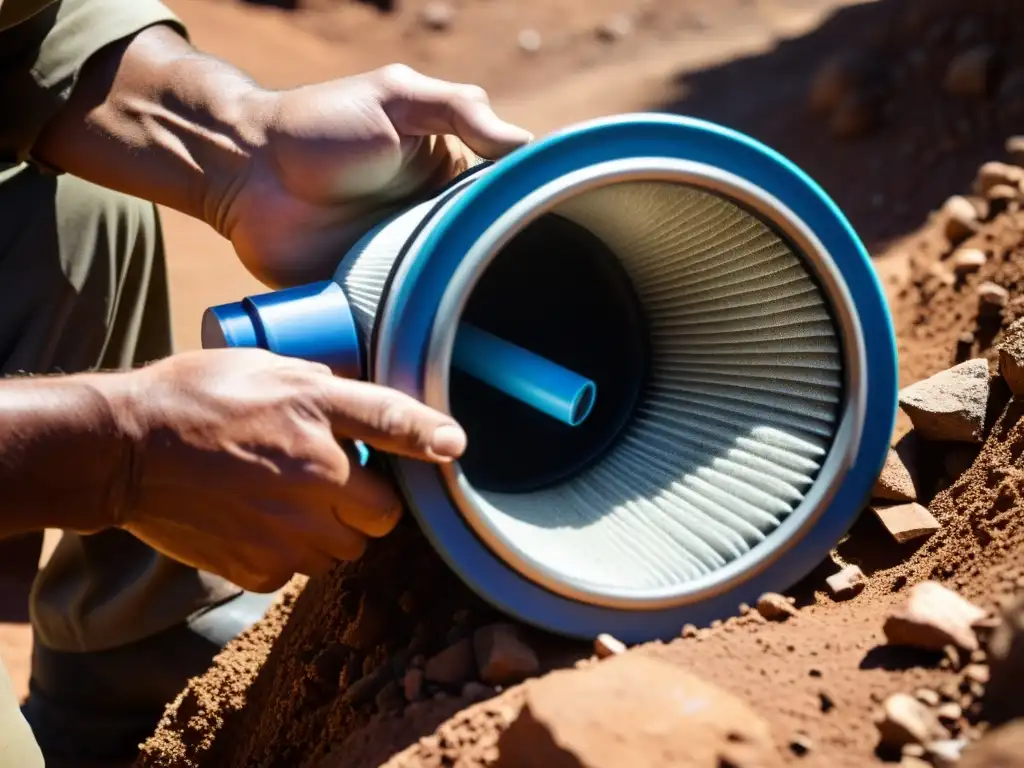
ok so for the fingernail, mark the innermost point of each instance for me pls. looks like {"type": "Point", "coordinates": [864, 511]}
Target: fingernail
{"type": "Point", "coordinates": [449, 441]}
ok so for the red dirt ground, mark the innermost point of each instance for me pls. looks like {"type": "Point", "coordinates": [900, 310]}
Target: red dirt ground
{"type": "Point", "coordinates": [326, 696]}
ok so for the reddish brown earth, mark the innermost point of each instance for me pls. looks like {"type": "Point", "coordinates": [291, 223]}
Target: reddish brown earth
{"type": "Point", "coordinates": [329, 693]}
{"type": "Point", "coordinates": [317, 684]}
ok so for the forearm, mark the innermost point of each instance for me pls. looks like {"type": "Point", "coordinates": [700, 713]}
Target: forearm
{"type": "Point", "coordinates": [63, 458]}
{"type": "Point", "coordinates": [153, 117]}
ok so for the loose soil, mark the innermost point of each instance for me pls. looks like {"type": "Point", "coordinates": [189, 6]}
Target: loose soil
{"type": "Point", "coordinates": [318, 684]}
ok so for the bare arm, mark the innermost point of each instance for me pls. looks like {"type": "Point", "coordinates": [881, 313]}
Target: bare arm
{"type": "Point", "coordinates": [60, 453]}
{"type": "Point", "coordinates": [153, 117]}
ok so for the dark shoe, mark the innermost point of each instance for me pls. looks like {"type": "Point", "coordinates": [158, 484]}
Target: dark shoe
{"type": "Point", "coordinates": [99, 706]}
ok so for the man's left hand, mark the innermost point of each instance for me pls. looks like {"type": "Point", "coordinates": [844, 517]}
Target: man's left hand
{"type": "Point", "coordinates": [328, 161]}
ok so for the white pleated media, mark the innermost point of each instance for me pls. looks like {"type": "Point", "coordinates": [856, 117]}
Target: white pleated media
{"type": "Point", "coordinates": [743, 399]}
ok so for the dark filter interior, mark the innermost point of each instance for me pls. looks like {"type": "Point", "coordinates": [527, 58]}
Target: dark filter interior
{"type": "Point", "coordinates": [559, 292]}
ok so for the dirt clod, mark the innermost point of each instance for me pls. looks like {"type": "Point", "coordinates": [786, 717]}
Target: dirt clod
{"type": "Point", "coordinates": [452, 666]}
{"type": "Point", "coordinates": [774, 607]}
{"type": "Point", "coordinates": [896, 481]}
{"type": "Point", "coordinates": [932, 618]}
{"type": "Point", "coordinates": [847, 583]}
{"type": "Point", "coordinates": [967, 261]}
{"type": "Point", "coordinates": [634, 710]}
{"type": "Point", "coordinates": [1011, 357]}
{"type": "Point", "coordinates": [905, 720]}
{"type": "Point", "coordinates": [502, 656]}
{"type": "Point", "coordinates": [906, 522]}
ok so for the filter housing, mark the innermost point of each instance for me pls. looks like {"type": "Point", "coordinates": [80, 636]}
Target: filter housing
{"type": "Point", "coordinates": [741, 345]}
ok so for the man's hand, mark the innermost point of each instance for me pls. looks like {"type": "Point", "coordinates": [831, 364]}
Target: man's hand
{"type": "Point", "coordinates": [335, 158]}
{"type": "Point", "coordinates": [237, 469]}
{"type": "Point", "coordinates": [292, 177]}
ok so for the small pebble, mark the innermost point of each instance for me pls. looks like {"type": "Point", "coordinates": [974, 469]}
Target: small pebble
{"type": "Point", "coordinates": [605, 645]}
{"type": "Point", "coordinates": [775, 607]}
{"type": "Point", "coordinates": [847, 583]}
{"type": "Point", "coordinates": [437, 16]}
{"type": "Point", "coordinates": [992, 296]}
{"type": "Point", "coordinates": [968, 260]}
{"type": "Point", "coordinates": [529, 40]}
{"type": "Point", "coordinates": [927, 696]}
{"type": "Point", "coordinates": [689, 630]}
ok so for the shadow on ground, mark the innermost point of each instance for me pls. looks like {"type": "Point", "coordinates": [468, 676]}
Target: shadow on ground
{"type": "Point", "coordinates": [925, 145]}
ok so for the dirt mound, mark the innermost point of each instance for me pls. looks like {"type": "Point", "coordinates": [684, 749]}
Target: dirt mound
{"type": "Point", "coordinates": [393, 659]}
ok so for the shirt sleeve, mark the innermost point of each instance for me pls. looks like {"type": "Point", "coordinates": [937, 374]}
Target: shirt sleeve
{"type": "Point", "coordinates": [40, 60]}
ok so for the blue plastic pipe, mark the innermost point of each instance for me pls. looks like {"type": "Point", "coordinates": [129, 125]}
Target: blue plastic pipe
{"type": "Point", "coordinates": [529, 378]}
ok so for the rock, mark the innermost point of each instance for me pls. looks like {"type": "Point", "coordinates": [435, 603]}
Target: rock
{"type": "Point", "coordinates": [949, 712]}
{"type": "Point", "coordinates": [634, 710]}
{"type": "Point", "coordinates": [839, 78]}
{"type": "Point", "coordinates": [453, 665]}
{"type": "Point", "coordinates": [906, 522]}
{"type": "Point", "coordinates": [800, 745]}
{"type": "Point", "coordinates": [615, 28]}
{"type": "Point", "coordinates": [412, 684]}
{"type": "Point", "coordinates": [999, 748]}
{"type": "Point", "coordinates": [976, 673]}
{"type": "Point", "coordinates": [961, 219]}
{"type": "Point", "coordinates": [1015, 149]}
{"type": "Point", "coordinates": [606, 645]}
{"type": "Point", "coordinates": [1003, 192]}
{"type": "Point", "coordinates": [932, 618]}
{"type": "Point", "coordinates": [905, 720]}
{"type": "Point", "coordinates": [950, 405]}
{"type": "Point", "coordinates": [991, 297]}
{"type": "Point", "coordinates": [847, 583]}
{"type": "Point", "coordinates": [946, 752]}
{"type": "Point", "coordinates": [528, 40]}
{"type": "Point", "coordinates": [973, 72]}
{"type": "Point", "coordinates": [992, 173]}
{"type": "Point", "coordinates": [927, 697]}
{"type": "Point", "coordinates": [774, 607]}
{"type": "Point", "coordinates": [1006, 662]}
{"type": "Point", "coordinates": [895, 483]}
{"type": "Point", "coordinates": [437, 16]}
{"type": "Point", "coordinates": [501, 655]}
{"type": "Point", "coordinates": [968, 260]}
{"type": "Point", "coordinates": [1011, 357]}
{"type": "Point", "coordinates": [855, 115]}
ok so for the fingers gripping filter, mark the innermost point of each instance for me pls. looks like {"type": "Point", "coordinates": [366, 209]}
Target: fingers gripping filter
{"type": "Point", "coordinates": [669, 351]}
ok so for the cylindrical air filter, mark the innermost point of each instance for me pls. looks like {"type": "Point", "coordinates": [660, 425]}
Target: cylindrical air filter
{"type": "Point", "coordinates": [736, 342]}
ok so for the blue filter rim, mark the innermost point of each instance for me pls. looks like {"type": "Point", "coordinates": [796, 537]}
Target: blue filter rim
{"type": "Point", "coordinates": [413, 306]}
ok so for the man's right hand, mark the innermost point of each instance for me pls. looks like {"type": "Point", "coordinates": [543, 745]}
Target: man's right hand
{"type": "Point", "coordinates": [236, 466]}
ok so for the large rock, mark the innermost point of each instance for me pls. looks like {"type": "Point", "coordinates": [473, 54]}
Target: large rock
{"type": "Point", "coordinates": [1003, 699]}
{"type": "Point", "coordinates": [1001, 748]}
{"type": "Point", "coordinates": [634, 710]}
{"type": "Point", "coordinates": [951, 404]}
{"type": "Point", "coordinates": [932, 618]}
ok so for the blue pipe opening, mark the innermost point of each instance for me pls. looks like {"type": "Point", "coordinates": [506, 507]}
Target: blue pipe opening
{"type": "Point", "coordinates": [519, 373]}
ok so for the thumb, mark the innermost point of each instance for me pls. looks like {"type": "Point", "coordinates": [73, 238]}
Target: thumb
{"type": "Point", "coordinates": [418, 105]}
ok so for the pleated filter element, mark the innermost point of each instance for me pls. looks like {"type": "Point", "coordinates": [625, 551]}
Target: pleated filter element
{"type": "Point", "coordinates": [734, 407]}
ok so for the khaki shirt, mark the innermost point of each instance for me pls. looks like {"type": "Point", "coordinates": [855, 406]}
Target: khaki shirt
{"type": "Point", "coordinates": [43, 45]}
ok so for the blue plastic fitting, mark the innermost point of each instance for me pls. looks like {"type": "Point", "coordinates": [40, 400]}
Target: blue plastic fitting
{"type": "Point", "coordinates": [312, 322]}
{"type": "Point", "coordinates": [519, 373]}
